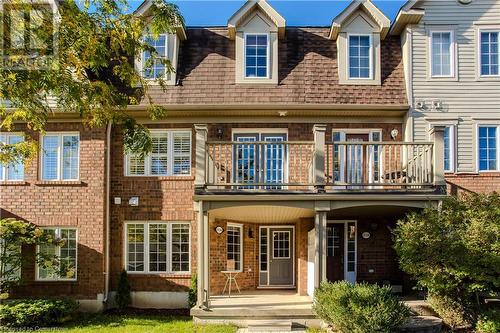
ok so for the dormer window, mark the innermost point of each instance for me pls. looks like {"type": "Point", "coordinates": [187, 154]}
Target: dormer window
{"type": "Point", "coordinates": [360, 58]}
{"type": "Point", "coordinates": [256, 29]}
{"type": "Point", "coordinates": [156, 68]}
{"type": "Point", "coordinates": [256, 55]}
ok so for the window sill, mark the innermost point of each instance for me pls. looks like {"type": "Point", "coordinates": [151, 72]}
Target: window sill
{"type": "Point", "coordinates": [159, 178]}
{"type": "Point", "coordinates": [13, 183]}
{"type": "Point", "coordinates": [161, 275]}
{"type": "Point", "coordinates": [55, 281]}
{"type": "Point", "coordinates": [59, 183]}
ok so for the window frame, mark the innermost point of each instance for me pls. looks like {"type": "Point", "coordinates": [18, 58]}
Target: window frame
{"type": "Point", "coordinates": [477, 148]}
{"type": "Point", "coordinates": [479, 55]}
{"type": "Point", "coordinates": [452, 53]}
{"type": "Point", "coordinates": [146, 247]}
{"type": "Point", "coordinates": [60, 147]}
{"type": "Point", "coordinates": [268, 60]}
{"type": "Point", "coordinates": [170, 156]}
{"type": "Point", "coordinates": [242, 235]}
{"type": "Point", "coordinates": [4, 169]}
{"type": "Point", "coordinates": [58, 249]}
{"type": "Point", "coordinates": [143, 59]}
{"type": "Point", "coordinates": [371, 56]}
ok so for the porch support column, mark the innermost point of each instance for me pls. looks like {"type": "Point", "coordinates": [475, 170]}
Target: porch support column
{"type": "Point", "coordinates": [203, 257]}
{"type": "Point", "coordinates": [201, 158]}
{"type": "Point", "coordinates": [320, 251]}
{"type": "Point", "coordinates": [319, 131]}
{"type": "Point", "coordinates": [437, 136]}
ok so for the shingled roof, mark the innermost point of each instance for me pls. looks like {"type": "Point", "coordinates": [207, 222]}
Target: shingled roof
{"type": "Point", "coordinates": [308, 73]}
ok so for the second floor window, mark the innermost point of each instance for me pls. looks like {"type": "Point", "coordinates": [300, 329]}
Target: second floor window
{"type": "Point", "coordinates": [441, 54]}
{"type": "Point", "coordinates": [359, 56]}
{"type": "Point", "coordinates": [13, 171]}
{"type": "Point", "coordinates": [256, 56]}
{"type": "Point", "coordinates": [60, 156]}
{"type": "Point", "coordinates": [154, 69]}
{"type": "Point", "coordinates": [488, 148]}
{"type": "Point", "coordinates": [489, 53]}
{"type": "Point", "coordinates": [170, 156]}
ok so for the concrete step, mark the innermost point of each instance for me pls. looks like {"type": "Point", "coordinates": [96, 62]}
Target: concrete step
{"type": "Point", "coordinates": [422, 324]}
{"type": "Point", "coordinates": [269, 326]}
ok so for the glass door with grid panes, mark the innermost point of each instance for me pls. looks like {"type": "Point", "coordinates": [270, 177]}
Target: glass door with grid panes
{"type": "Point", "coordinates": [263, 164]}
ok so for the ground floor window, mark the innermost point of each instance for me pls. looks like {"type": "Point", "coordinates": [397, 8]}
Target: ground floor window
{"type": "Point", "coordinates": [234, 247]}
{"type": "Point", "coordinates": [157, 247]}
{"type": "Point", "coordinates": [64, 267]}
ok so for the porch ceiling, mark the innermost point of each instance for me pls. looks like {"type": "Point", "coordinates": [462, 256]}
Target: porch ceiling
{"type": "Point", "coordinates": [261, 214]}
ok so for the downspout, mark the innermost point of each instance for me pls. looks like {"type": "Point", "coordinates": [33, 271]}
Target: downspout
{"type": "Point", "coordinates": [108, 185]}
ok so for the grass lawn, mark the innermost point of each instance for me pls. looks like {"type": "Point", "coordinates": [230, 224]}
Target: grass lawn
{"type": "Point", "coordinates": [106, 323]}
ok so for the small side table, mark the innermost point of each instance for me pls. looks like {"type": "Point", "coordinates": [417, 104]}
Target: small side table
{"type": "Point", "coordinates": [230, 278]}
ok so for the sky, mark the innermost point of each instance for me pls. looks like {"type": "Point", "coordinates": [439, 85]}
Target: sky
{"type": "Point", "coordinates": [295, 12]}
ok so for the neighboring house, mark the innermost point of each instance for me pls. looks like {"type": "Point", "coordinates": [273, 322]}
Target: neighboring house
{"type": "Point", "coordinates": [282, 158]}
{"type": "Point", "coordinates": [451, 56]}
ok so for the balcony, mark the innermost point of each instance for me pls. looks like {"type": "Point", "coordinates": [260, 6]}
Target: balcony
{"type": "Point", "coordinates": [318, 166]}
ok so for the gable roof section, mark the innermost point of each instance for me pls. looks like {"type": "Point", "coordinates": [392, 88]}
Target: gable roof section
{"type": "Point", "coordinates": [143, 10]}
{"type": "Point", "coordinates": [407, 14]}
{"type": "Point", "coordinates": [368, 7]}
{"type": "Point", "coordinates": [248, 8]}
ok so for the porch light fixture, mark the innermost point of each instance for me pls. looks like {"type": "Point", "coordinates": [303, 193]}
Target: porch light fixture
{"type": "Point", "coordinates": [220, 133]}
{"type": "Point", "coordinates": [250, 233]}
{"type": "Point", "coordinates": [394, 134]}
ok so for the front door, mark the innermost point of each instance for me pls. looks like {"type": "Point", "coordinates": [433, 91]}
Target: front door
{"type": "Point", "coordinates": [281, 257]}
{"type": "Point", "coordinates": [335, 252]}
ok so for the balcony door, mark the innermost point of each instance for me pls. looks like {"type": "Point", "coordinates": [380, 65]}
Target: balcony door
{"type": "Point", "coordinates": [260, 160]}
{"type": "Point", "coordinates": [356, 170]}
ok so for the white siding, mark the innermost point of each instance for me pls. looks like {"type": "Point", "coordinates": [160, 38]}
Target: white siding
{"type": "Point", "coordinates": [465, 99]}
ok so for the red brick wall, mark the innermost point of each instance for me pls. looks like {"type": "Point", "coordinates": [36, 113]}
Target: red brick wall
{"type": "Point", "coordinates": [167, 199]}
{"type": "Point", "coordinates": [480, 183]}
{"type": "Point", "coordinates": [76, 204]}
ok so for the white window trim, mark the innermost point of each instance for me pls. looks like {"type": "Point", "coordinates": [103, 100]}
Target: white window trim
{"type": "Point", "coordinates": [242, 235]}
{"type": "Point", "coordinates": [370, 77]}
{"type": "Point", "coordinates": [4, 168]}
{"type": "Point", "coordinates": [59, 156]}
{"type": "Point", "coordinates": [452, 52]}
{"type": "Point", "coordinates": [146, 248]}
{"type": "Point", "coordinates": [58, 254]}
{"type": "Point", "coordinates": [143, 60]}
{"type": "Point", "coordinates": [268, 60]}
{"type": "Point", "coordinates": [476, 146]}
{"type": "Point", "coordinates": [478, 46]}
{"type": "Point", "coordinates": [170, 168]}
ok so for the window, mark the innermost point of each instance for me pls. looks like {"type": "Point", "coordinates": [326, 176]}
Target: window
{"type": "Point", "coordinates": [13, 171]}
{"type": "Point", "coordinates": [281, 244]}
{"type": "Point", "coordinates": [256, 56]}
{"type": "Point", "coordinates": [66, 254]}
{"type": "Point", "coordinates": [488, 148]}
{"type": "Point", "coordinates": [157, 247]}
{"type": "Point", "coordinates": [449, 146]}
{"type": "Point", "coordinates": [60, 156]}
{"type": "Point", "coordinates": [441, 54]}
{"type": "Point", "coordinates": [170, 156]}
{"type": "Point", "coordinates": [234, 246]}
{"type": "Point", "coordinates": [489, 53]}
{"type": "Point", "coordinates": [359, 56]}
{"type": "Point", "coordinates": [155, 68]}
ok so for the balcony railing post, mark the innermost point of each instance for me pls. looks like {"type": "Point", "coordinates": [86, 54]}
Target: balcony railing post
{"type": "Point", "coordinates": [437, 136]}
{"type": "Point", "coordinates": [201, 158]}
{"type": "Point", "coordinates": [319, 178]}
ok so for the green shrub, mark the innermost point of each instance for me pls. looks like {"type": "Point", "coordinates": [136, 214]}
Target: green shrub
{"type": "Point", "coordinates": [452, 310]}
{"type": "Point", "coordinates": [193, 291]}
{"type": "Point", "coordinates": [123, 297]}
{"type": "Point", "coordinates": [37, 312]}
{"type": "Point", "coordinates": [359, 308]}
{"type": "Point", "coordinates": [489, 322]}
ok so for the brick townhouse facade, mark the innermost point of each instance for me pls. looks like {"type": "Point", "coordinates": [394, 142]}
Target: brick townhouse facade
{"type": "Point", "coordinates": [287, 156]}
